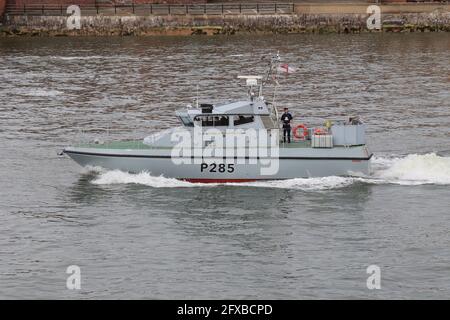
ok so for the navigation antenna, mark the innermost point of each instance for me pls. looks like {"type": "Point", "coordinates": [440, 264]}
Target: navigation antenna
{"type": "Point", "coordinates": [272, 74]}
{"type": "Point", "coordinates": [196, 98]}
{"type": "Point", "coordinates": [275, 64]}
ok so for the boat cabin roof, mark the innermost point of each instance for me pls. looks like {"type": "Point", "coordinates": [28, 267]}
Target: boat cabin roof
{"type": "Point", "coordinates": [255, 107]}
{"type": "Point", "coordinates": [239, 113]}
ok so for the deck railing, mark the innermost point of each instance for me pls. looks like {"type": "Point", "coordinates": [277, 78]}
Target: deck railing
{"type": "Point", "coordinates": [154, 9]}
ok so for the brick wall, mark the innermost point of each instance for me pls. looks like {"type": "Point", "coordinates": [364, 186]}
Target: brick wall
{"type": "Point", "coordinates": [2, 8]}
{"type": "Point", "coordinates": [60, 2]}
{"type": "Point", "coordinates": [164, 1]}
{"type": "Point", "coordinates": [93, 2]}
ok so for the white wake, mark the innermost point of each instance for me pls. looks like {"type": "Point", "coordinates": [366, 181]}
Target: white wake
{"type": "Point", "coordinates": [143, 178]}
{"type": "Point", "coordinates": [413, 169]}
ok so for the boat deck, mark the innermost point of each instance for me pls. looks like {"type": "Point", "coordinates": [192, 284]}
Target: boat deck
{"type": "Point", "coordinates": [139, 145]}
{"type": "Point", "coordinates": [120, 145]}
{"type": "Point", "coordinates": [296, 144]}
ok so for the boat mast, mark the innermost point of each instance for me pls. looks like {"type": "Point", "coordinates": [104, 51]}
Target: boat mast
{"type": "Point", "coordinates": [272, 74]}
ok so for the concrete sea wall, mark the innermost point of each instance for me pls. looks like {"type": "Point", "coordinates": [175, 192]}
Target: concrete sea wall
{"type": "Point", "coordinates": [305, 19]}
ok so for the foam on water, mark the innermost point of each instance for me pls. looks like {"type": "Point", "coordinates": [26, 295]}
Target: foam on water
{"type": "Point", "coordinates": [305, 184]}
{"type": "Point", "coordinates": [41, 93]}
{"type": "Point", "coordinates": [415, 169]}
{"type": "Point", "coordinates": [412, 169]}
{"type": "Point", "coordinates": [89, 58]}
{"type": "Point", "coordinates": [143, 178]}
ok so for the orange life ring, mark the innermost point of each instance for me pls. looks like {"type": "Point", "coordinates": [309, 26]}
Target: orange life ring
{"type": "Point", "coordinates": [305, 132]}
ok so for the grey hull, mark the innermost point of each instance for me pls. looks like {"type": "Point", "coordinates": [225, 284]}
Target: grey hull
{"type": "Point", "coordinates": [292, 163]}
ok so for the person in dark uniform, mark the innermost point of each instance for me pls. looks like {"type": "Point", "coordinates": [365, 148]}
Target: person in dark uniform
{"type": "Point", "coordinates": [286, 118]}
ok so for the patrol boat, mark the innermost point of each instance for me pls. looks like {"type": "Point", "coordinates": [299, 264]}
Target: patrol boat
{"type": "Point", "coordinates": [237, 142]}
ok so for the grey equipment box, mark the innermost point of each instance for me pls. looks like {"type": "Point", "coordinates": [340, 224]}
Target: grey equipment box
{"type": "Point", "coordinates": [349, 134]}
{"type": "Point", "coordinates": [322, 141]}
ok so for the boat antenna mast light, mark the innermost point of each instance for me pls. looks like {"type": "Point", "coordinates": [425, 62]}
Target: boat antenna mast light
{"type": "Point", "coordinates": [271, 75]}
{"type": "Point", "coordinates": [260, 81]}
{"type": "Point", "coordinates": [273, 65]}
{"type": "Point", "coordinates": [251, 82]}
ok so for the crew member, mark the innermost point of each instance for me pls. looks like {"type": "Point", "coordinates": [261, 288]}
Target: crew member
{"type": "Point", "coordinates": [286, 118]}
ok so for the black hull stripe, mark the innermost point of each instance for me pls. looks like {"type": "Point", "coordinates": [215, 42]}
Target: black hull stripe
{"type": "Point", "coordinates": [192, 157]}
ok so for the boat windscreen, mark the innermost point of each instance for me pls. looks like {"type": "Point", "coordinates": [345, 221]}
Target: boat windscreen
{"type": "Point", "coordinates": [213, 121]}
{"type": "Point", "coordinates": [186, 121]}
{"type": "Point", "coordinates": [243, 119]}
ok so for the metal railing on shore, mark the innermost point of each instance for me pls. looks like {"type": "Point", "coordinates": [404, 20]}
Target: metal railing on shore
{"type": "Point", "coordinates": [154, 9]}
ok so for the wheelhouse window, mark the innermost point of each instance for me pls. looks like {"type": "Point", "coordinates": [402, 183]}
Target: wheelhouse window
{"type": "Point", "coordinates": [238, 120]}
{"type": "Point", "coordinates": [213, 121]}
{"type": "Point", "coordinates": [222, 121]}
{"type": "Point", "coordinates": [186, 121]}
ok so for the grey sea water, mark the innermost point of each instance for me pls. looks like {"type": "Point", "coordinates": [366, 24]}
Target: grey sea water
{"type": "Point", "coordinates": [138, 236]}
